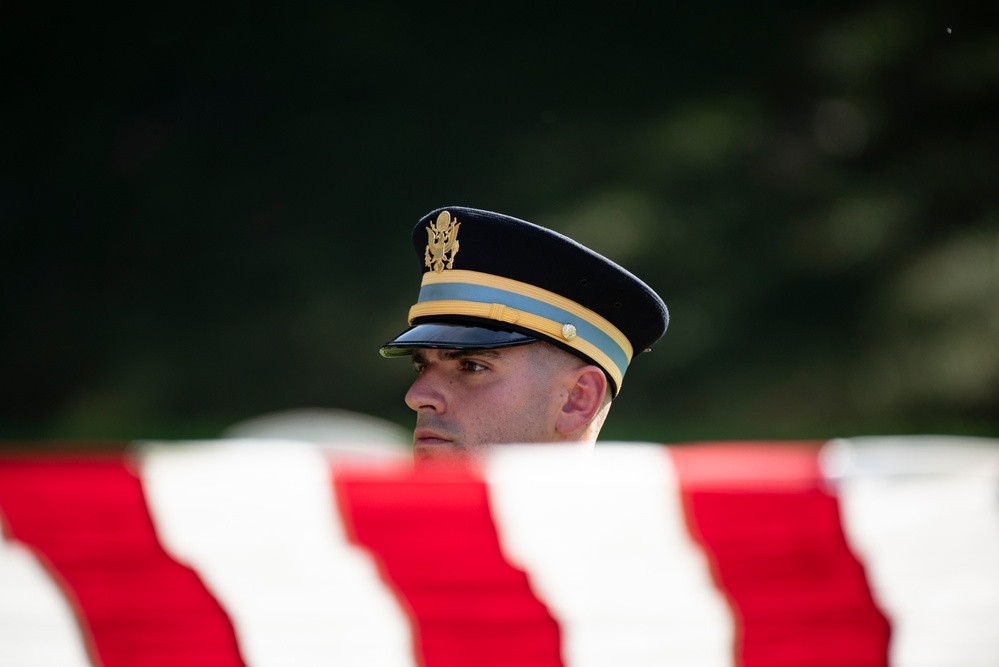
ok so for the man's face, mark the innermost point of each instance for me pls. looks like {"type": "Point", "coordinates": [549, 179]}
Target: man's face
{"type": "Point", "coordinates": [468, 399]}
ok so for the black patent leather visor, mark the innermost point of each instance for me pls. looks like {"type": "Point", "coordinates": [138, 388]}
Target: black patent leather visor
{"type": "Point", "coordinates": [451, 337]}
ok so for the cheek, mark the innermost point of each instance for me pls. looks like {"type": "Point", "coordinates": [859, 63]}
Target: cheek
{"type": "Point", "coordinates": [524, 415]}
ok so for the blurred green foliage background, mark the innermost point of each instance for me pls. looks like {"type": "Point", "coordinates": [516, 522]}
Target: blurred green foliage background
{"type": "Point", "coordinates": [205, 213]}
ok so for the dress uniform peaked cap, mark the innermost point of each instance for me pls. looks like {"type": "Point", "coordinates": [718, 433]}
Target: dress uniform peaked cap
{"type": "Point", "coordinates": [491, 281]}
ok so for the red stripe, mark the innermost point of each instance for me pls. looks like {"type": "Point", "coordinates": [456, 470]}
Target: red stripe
{"type": "Point", "coordinates": [87, 519]}
{"type": "Point", "coordinates": [433, 535]}
{"type": "Point", "coordinates": [772, 530]}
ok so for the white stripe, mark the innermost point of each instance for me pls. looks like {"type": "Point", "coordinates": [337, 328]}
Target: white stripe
{"type": "Point", "coordinates": [37, 624]}
{"type": "Point", "coordinates": [258, 522]}
{"type": "Point", "coordinates": [604, 542]}
{"type": "Point", "coordinates": [927, 529]}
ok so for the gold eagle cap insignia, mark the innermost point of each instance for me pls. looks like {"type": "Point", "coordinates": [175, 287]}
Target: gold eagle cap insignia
{"type": "Point", "coordinates": [442, 243]}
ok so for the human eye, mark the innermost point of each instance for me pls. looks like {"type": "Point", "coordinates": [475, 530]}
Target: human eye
{"type": "Point", "coordinates": [473, 366]}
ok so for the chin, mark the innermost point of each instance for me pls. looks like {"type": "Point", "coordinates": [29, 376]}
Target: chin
{"type": "Point", "coordinates": [439, 454]}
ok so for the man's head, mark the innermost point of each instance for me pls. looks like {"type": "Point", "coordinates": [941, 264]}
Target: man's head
{"type": "Point", "coordinates": [519, 334]}
{"type": "Point", "coordinates": [466, 400]}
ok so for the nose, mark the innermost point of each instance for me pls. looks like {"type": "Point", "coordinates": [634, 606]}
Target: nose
{"type": "Point", "coordinates": [425, 394]}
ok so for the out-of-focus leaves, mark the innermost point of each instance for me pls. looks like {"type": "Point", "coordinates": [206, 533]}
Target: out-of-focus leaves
{"type": "Point", "coordinates": [203, 218]}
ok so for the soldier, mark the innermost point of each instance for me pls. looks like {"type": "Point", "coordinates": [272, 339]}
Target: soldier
{"type": "Point", "coordinates": [519, 334]}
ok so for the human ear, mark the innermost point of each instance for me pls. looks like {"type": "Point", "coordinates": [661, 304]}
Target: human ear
{"type": "Point", "coordinates": [583, 401]}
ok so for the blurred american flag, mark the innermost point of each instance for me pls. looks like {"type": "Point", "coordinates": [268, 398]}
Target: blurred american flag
{"type": "Point", "coordinates": [868, 551]}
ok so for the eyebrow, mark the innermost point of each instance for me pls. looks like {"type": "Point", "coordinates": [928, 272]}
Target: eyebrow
{"type": "Point", "coordinates": [420, 355]}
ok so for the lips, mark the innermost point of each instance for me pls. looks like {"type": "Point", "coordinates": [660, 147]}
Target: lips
{"type": "Point", "coordinates": [426, 436]}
